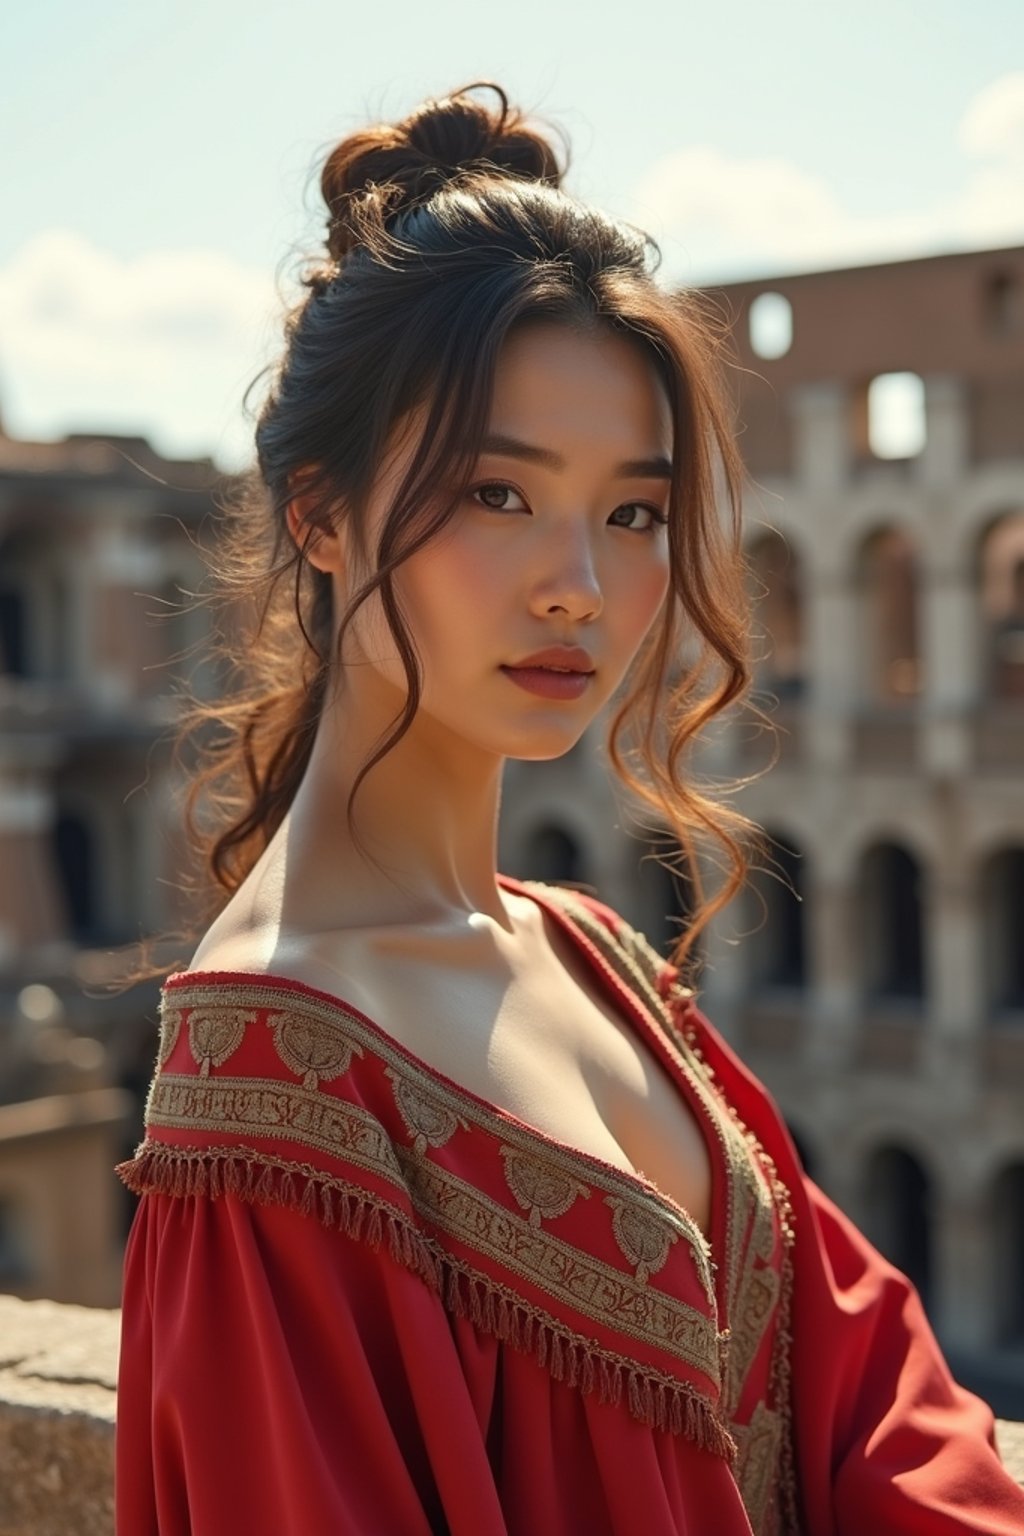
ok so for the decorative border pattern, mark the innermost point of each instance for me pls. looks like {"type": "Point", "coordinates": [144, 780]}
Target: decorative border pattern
{"type": "Point", "coordinates": [651, 1396]}
{"type": "Point", "coordinates": [541, 1189]}
{"type": "Point", "coordinates": [784, 1490]}
{"type": "Point", "coordinates": [760, 1226]}
{"type": "Point", "coordinates": [317, 1039]}
{"type": "Point", "coordinates": [264, 1107]}
{"type": "Point", "coordinates": [572, 1276]}
{"type": "Point", "coordinates": [606, 1296]}
{"type": "Point", "coordinates": [425, 1086]}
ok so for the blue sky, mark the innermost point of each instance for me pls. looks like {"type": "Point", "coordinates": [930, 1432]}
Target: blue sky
{"type": "Point", "coordinates": [159, 184]}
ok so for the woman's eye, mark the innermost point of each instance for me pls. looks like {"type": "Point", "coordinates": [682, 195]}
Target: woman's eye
{"type": "Point", "coordinates": [655, 519]}
{"type": "Point", "coordinates": [495, 495]}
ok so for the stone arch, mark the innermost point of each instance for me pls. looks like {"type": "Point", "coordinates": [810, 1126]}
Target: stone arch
{"type": "Point", "coordinates": [18, 1266]}
{"type": "Point", "coordinates": [1001, 915]}
{"type": "Point", "coordinates": [665, 898]}
{"type": "Point", "coordinates": [776, 582]}
{"type": "Point", "coordinates": [1002, 302]}
{"type": "Point", "coordinates": [75, 855]}
{"type": "Point", "coordinates": [552, 853]}
{"type": "Point", "coordinates": [887, 586]}
{"type": "Point", "coordinates": [889, 935]}
{"type": "Point", "coordinates": [35, 606]}
{"type": "Point", "coordinates": [998, 562]}
{"type": "Point", "coordinates": [897, 1201]}
{"type": "Point", "coordinates": [1008, 1254]}
{"type": "Point", "coordinates": [983, 501]}
{"type": "Point", "coordinates": [777, 943]}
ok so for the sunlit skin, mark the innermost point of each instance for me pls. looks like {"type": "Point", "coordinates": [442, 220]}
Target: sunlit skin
{"type": "Point", "coordinates": [572, 550]}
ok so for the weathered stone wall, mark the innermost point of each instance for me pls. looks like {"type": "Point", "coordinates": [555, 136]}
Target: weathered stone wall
{"type": "Point", "coordinates": [58, 1374]}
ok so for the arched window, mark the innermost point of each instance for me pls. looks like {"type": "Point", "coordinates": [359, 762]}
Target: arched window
{"type": "Point", "coordinates": [665, 895]}
{"type": "Point", "coordinates": [1002, 928]}
{"type": "Point", "coordinates": [554, 855]}
{"type": "Point", "coordinates": [776, 590]}
{"type": "Point", "coordinates": [887, 580]}
{"type": "Point", "coordinates": [777, 947]}
{"type": "Point", "coordinates": [27, 617]}
{"type": "Point", "coordinates": [13, 627]}
{"type": "Point", "coordinates": [770, 325]}
{"type": "Point", "coordinates": [899, 1215]}
{"type": "Point", "coordinates": [895, 421]}
{"type": "Point", "coordinates": [17, 1268]}
{"type": "Point", "coordinates": [1008, 1255]}
{"type": "Point", "coordinates": [74, 847]}
{"type": "Point", "coordinates": [1001, 581]}
{"type": "Point", "coordinates": [1003, 304]}
{"type": "Point", "coordinates": [891, 956]}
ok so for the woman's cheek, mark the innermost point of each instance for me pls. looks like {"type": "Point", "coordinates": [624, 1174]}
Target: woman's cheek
{"type": "Point", "coordinates": [641, 593]}
{"type": "Point", "coordinates": [471, 572]}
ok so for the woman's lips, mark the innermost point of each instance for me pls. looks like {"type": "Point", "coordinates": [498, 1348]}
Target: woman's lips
{"type": "Point", "coordinates": [548, 683]}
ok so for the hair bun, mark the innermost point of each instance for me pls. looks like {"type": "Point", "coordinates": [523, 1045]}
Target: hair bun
{"type": "Point", "coordinates": [380, 171]}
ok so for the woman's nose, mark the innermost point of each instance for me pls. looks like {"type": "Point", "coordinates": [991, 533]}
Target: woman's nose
{"type": "Point", "coordinates": [569, 579]}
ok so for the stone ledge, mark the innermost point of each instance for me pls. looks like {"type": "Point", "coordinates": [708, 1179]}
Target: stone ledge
{"type": "Point", "coordinates": [58, 1374]}
{"type": "Point", "coordinates": [58, 1377]}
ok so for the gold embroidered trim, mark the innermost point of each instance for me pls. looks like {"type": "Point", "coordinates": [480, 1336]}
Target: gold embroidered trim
{"type": "Point", "coordinates": [542, 1190]}
{"type": "Point", "coordinates": [737, 1142]}
{"type": "Point", "coordinates": [310, 1049]}
{"type": "Point", "coordinates": [759, 1445]}
{"type": "Point", "coordinates": [578, 1279]}
{"type": "Point", "coordinates": [429, 1122]}
{"type": "Point", "coordinates": [216, 1034]}
{"type": "Point", "coordinates": [780, 1380]}
{"type": "Point", "coordinates": [644, 1241]}
{"type": "Point", "coordinates": [753, 1174]}
{"type": "Point", "coordinates": [650, 1395]}
{"type": "Point", "coordinates": [628, 952]}
{"type": "Point", "coordinates": [170, 1029]}
{"type": "Point", "coordinates": [252, 1106]}
{"type": "Point", "coordinates": [466, 1111]}
{"type": "Point", "coordinates": [261, 1107]}
{"type": "Point", "coordinates": [758, 1301]}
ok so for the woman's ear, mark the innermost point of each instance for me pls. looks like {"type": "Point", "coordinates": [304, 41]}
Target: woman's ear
{"type": "Point", "coordinates": [320, 542]}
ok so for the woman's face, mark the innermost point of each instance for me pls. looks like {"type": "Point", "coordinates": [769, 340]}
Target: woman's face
{"type": "Point", "coordinates": [559, 542]}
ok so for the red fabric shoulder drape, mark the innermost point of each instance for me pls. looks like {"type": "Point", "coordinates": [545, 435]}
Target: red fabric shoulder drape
{"type": "Point", "coordinates": [886, 1439]}
{"type": "Point", "coordinates": [358, 1300]}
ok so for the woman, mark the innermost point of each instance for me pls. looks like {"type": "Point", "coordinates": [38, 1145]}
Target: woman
{"type": "Point", "coordinates": [457, 1214]}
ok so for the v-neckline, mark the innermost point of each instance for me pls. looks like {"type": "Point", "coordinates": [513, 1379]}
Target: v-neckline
{"type": "Point", "coordinates": [653, 1034]}
{"type": "Point", "coordinates": [650, 1031]}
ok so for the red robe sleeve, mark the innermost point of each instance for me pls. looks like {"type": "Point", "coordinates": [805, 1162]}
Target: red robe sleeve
{"type": "Point", "coordinates": [885, 1440]}
{"type": "Point", "coordinates": [258, 1392]}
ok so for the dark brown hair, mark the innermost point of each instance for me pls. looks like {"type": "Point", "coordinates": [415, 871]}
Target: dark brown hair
{"type": "Point", "coordinates": [444, 232]}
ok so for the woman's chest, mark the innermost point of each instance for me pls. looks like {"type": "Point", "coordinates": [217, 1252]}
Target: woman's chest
{"type": "Point", "coordinates": [565, 1063]}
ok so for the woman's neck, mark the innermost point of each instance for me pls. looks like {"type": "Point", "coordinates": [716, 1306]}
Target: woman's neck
{"type": "Point", "coordinates": [427, 813]}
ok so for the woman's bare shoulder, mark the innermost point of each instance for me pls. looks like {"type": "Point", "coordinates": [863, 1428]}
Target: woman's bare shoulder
{"type": "Point", "coordinates": [336, 964]}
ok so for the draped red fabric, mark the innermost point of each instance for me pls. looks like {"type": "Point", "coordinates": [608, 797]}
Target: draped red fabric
{"type": "Point", "coordinates": [359, 1299]}
{"type": "Point", "coordinates": [886, 1440]}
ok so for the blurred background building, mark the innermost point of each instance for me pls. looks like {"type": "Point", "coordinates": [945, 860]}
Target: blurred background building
{"type": "Point", "coordinates": [96, 550]}
{"type": "Point", "coordinates": [876, 985]}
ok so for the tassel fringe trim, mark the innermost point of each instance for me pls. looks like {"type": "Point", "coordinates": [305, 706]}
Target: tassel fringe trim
{"type": "Point", "coordinates": [652, 1397]}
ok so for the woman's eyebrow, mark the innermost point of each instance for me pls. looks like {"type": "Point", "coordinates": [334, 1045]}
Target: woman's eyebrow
{"type": "Point", "coordinates": [656, 468]}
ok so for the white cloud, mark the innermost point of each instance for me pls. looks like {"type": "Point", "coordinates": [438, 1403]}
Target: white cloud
{"type": "Point", "coordinates": [994, 122]}
{"type": "Point", "coordinates": [717, 216]}
{"type": "Point", "coordinates": [164, 345]}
